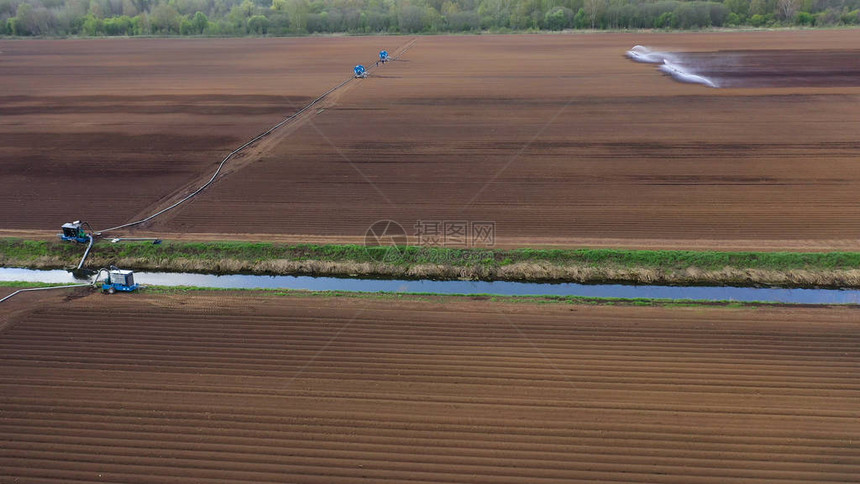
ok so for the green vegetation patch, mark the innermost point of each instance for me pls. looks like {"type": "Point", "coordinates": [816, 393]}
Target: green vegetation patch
{"type": "Point", "coordinates": [680, 259]}
{"type": "Point", "coordinates": [34, 249]}
{"type": "Point", "coordinates": [675, 267]}
{"type": "Point", "coordinates": [239, 18]}
{"type": "Point", "coordinates": [23, 251]}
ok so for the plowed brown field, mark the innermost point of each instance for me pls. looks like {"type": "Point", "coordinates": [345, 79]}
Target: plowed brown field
{"type": "Point", "coordinates": [100, 130]}
{"type": "Point", "coordinates": [558, 139]}
{"type": "Point", "coordinates": [561, 138]}
{"type": "Point", "coordinates": [245, 388]}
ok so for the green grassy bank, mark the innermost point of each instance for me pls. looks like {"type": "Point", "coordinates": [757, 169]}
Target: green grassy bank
{"type": "Point", "coordinates": [787, 269]}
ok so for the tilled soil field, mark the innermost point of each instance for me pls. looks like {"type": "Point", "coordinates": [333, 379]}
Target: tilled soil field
{"type": "Point", "coordinates": [561, 139]}
{"type": "Point", "coordinates": [101, 130]}
{"type": "Point", "coordinates": [214, 387]}
{"type": "Point", "coordinates": [557, 139]}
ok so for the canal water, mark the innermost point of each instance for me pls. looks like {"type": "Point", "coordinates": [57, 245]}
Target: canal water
{"type": "Point", "coordinates": [500, 288]}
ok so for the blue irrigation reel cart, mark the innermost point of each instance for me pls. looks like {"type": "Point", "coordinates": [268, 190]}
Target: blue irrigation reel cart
{"type": "Point", "coordinates": [360, 71]}
{"type": "Point", "coordinates": [383, 56]}
{"type": "Point", "coordinates": [117, 280]}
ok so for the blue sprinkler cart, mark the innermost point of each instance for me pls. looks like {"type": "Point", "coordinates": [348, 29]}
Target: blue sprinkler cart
{"type": "Point", "coordinates": [118, 280]}
{"type": "Point", "coordinates": [383, 56]}
{"type": "Point", "coordinates": [360, 71]}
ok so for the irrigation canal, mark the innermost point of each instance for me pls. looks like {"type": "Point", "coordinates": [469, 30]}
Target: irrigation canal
{"type": "Point", "coordinates": [498, 288]}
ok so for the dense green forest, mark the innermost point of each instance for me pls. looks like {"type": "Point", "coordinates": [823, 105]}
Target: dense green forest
{"type": "Point", "coordinates": [300, 17]}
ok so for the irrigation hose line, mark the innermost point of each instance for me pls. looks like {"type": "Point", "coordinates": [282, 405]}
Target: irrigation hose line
{"type": "Point", "coordinates": [87, 252]}
{"type": "Point", "coordinates": [243, 147]}
{"type": "Point", "coordinates": [43, 289]}
{"type": "Point", "coordinates": [211, 180]}
{"type": "Point", "coordinates": [93, 283]}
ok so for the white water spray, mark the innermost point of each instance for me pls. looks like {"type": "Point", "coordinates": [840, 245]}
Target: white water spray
{"type": "Point", "coordinates": [681, 74]}
{"type": "Point", "coordinates": [641, 53]}
{"type": "Point", "coordinates": [669, 63]}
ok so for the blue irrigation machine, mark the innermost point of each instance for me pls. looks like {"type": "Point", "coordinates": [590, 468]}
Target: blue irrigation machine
{"type": "Point", "coordinates": [360, 71]}
{"type": "Point", "coordinates": [383, 56]}
{"type": "Point", "coordinates": [117, 280]}
{"type": "Point", "coordinates": [74, 232]}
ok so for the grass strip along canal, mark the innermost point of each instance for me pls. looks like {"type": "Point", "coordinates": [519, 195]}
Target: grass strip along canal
{"type": "Point", "coordinates": [834, 270]}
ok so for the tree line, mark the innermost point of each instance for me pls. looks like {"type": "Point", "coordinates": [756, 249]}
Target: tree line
{"type": "Point", "coordinates": [301, 17]}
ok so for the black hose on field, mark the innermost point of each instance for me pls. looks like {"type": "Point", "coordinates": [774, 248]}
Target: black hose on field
{"type": "Point", "coordinates": [242, 148]}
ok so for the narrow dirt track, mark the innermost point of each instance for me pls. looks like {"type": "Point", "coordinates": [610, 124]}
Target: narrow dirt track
{"type": "Point", "coordinates": [227, 388]}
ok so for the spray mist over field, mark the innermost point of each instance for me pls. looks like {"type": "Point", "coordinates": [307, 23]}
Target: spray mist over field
{"type": "Point", "coordinates": [673, 64]}
{"type": "Point", "coordinates": [757, 68]}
